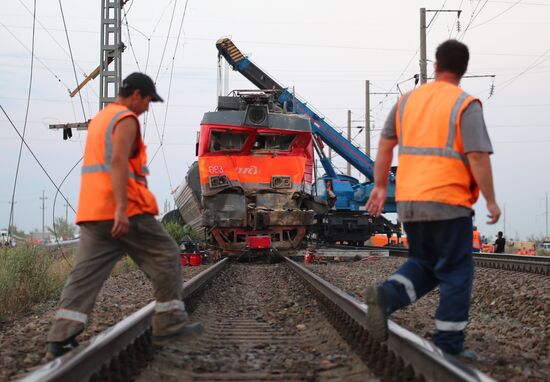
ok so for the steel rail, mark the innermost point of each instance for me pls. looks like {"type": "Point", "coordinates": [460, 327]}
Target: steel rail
{"type": "Point", "coordinates": [428, 362]}
{"type": "Point", "coordinates": [516, 263]}
{"type": "Point", "coordinates": [118, 350]}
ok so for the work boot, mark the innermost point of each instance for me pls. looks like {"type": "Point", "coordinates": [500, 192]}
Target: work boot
{"type": "Point", "coordinates": [57, 349]}
{"type": "Point", "coordinates": [377, 317]}
{"type": "Point", "coordinates": [174, 324]}
{"type": "Point", "coordinates": [467, 356]}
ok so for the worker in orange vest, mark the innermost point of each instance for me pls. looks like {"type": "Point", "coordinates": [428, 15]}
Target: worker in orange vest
{"type": "Point", "coordinates": [443, 163]}
{"type": "Point", "coordinates": [476, 240]}
{"type": "Point", "coordinates": [116, 216]}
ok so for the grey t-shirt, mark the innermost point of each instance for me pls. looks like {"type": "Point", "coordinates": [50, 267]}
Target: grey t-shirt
{"type": "Point", "coordinates": [473, 132]}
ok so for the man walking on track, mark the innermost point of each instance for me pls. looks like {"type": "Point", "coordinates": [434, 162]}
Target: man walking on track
{"type": "Point", "coordinates": [116, 216]}
{"type": "Point", "coordinates": [444, 161]}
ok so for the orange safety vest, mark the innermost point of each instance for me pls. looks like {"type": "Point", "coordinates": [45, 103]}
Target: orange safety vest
{"type": "Point", "coordinates": [432, 164]}
{"type": "Point", "coordinates": [476, 243]}
{"type": "Point", "coordinates": [96, 201]}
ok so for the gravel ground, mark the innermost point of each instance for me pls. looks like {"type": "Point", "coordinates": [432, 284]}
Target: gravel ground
{"type": "Point", "coordinates": [22, 338]}
{"type": "Point", "coordinates": [260, 324]}
{"type": "Point", "coordinates": [509, 320]}
{"type": "Point", "coordinates": [509, 324]}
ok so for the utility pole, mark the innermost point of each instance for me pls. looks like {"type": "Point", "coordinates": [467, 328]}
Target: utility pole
{"type": "Point", "coordinates": [546, 215]}
{"type": "Point", "coordinates": [423, 63]}
{"type": "Point", "coordinates": [12, 223]}
{"type": "Point", "coordinates": [367, 118]}
{"type": "Point", "coordinates": [43, 198]}
{"type": "Point", "coordinates": [423, 28]}
{"type": "Point", "coordinates": [110, 62]}
{"type": "Point", "coordinates": [504, 220]}
{"type": "Point", "coordinates": [66, 213]}
{"type": "Point", "coordinates": [110, 58]}
{"type": "Point", "coordinates": [349, 139]}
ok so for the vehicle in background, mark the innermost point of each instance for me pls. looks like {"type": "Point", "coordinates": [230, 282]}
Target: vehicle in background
{"type": "Point", "coordinates": [250, 189]}
{"type": "Point", "coordinates": [347, 221]}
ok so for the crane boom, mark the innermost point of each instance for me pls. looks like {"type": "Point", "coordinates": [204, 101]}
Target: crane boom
{"type": "Point", "coordinates": [286, 99]}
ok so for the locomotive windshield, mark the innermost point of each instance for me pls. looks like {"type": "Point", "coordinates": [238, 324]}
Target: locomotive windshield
{"type": "Point", "coordinates": [272, 142]}
{"type": "Point", "coordinates": [227, 140]}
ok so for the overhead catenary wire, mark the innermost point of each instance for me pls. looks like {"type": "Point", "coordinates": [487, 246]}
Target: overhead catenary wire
{"type": "Point", "coordinates": [145, 120]}
{"type": "Point", "coordinates": [72, 58]}
{"type": "Point", "coordinates": [540, 60]}
{"type": "Point", "coordinates": [35, 157]}
{"type": "Point", "coordinates": [496, 16]}
{"type": "Point", "coordinates": [25, 122]}
{"type": "Point", "coordinates": [385, 99]}
{"type": "Point", "coordinates": [166, 41]}
{"type": "Point", "coordinates": [130, 37]}
{"type": "Point", "coordinates": [161, 138]}
{"type": "Point", "coordinates": [472, 18]}
{"type": "Point", "coordinates": [59, 80]}
{"type": "Point", "coordinates": [57, 43]}
{"type": "Point", "coordinates": [53, 211]}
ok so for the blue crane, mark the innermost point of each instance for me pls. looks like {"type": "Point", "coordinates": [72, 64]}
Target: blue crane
{"type": "Point", "coordinates": [348, 221]}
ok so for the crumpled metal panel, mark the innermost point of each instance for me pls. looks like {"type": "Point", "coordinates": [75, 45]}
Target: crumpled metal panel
{"type": "Point", "coordinates": [281, 200]}
{"type": "Point", "coordinates": [263, 219]}
{"type": "Point", "coordinates": [224, 210]}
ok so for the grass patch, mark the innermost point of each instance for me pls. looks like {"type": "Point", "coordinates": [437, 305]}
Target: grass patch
{"type": "Point", "coordinates": [125, 265]}
{"type": "Point", "coordinates": [179, 232]}
{"type": "Point", "coordinates": [29, 275]}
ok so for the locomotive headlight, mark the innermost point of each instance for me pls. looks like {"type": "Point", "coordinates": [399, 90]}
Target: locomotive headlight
{"type": "Point", "coordinates": [257, 114]}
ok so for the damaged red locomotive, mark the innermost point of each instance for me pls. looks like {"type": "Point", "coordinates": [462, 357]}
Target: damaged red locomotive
{"type": "Point", "coordinates": [251, 186]}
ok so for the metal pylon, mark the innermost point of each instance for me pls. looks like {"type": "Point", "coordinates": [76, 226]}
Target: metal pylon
{"type": "Point", "coordinates": [111, 51]}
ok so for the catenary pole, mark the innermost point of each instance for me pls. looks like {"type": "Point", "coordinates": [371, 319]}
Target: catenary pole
{"type": "Point", "coordinates": [349, 139]}
{"type": "Point", "coordinates": [367, 118]}
{"type": "Point", "coordinates": [43, 208]}
{"type": "Point", "coordinates": [423, 64]}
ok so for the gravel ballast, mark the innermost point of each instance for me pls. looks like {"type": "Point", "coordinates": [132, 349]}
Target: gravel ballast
{"type": "Point", "coordinates": [509, 326]}
{"type": "Point", "coordinates": [23, 338]}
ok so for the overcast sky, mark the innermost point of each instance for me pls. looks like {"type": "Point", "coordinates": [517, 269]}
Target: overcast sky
{"type": "Point", "coordinates": [324, 49]}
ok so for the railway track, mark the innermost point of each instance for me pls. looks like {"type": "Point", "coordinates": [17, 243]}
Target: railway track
{"type": "Point", "coordinates": [262, 324]}
{"type": "Point", "coordinates": [517, 263]}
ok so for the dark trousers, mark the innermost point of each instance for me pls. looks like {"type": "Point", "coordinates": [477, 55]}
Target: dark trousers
{"type": "Point", "coordinates": [440, 255]}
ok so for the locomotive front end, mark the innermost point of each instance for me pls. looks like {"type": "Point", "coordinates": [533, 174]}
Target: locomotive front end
{"type": "Point", "coordinates": [255, 170]}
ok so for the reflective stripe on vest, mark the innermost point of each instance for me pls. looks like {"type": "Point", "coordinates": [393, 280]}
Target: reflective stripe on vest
{"type": "Point", "coordinates": [106, 166]}
{"type": "Point", "coordinates": [72, 315]}
{"type": "Point", "coordinates": [447, 151]}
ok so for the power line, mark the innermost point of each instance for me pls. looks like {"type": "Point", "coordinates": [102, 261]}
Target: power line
{"type": "Point", "coordinates": [541, 59]}
{"type": "Point", "coordinates": [166, 41]}
{"type": "Point", "coordinates": [35, 157]}
{"type": "Point", "coordinates": [163, 52]}
{"type": "Point", "coordinates": [66, 211]}
{"type": "Point", "coordinates": [473, 17]}
{"type": "Point", "coordinates": [72, 59]}
{"type": "Point", "coordinates": [37, 58]}
{"type": "Point", "coordinates": [498, 15]}
{"type": "Point", "coordinates": [168, 96]}
{"type": "Point", "coordinates": [26, 117]}
{"type": "Point", "coordinates": [51, 36]}
{"type": "Point", "coordinates": [129, 36]}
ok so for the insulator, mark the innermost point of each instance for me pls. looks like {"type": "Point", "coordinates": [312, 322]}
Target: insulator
{"type": "Point", "coordinates": [458, 25]}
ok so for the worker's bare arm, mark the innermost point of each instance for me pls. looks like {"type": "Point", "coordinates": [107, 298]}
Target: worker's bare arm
{"type": "Point", "coordinates": [480, 164]}
{"type": "Point", "coordinates": [384, 157]}
{"type": "Point", "coordinates": [124, 138]}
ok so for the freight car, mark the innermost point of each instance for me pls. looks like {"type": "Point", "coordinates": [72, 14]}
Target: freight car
{"type": "Point", "coordinates": [250, 189]}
